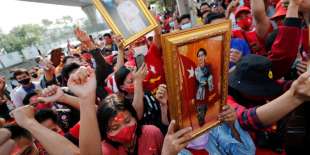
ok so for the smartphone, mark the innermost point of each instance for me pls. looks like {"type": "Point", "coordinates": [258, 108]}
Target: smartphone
{"type": "Point", "coordinates": [139, 60]}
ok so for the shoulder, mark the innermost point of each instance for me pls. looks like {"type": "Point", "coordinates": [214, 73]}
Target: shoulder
{"type": "Point", "coordinates": [17, 90]}
{"type": "Point", "coordinates": [150, 98]}
{"type": "Point", "coordinates": [108, 149]}
{"type": "Point", "coordinates": [37, 85]}
{"type": "Point", "coordinates": [151, 130]}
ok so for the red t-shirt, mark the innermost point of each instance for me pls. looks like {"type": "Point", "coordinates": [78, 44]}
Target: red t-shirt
{"type": "Point", "coordinates": [150, 143]}
{"type": "Point", "coordinates": [256, 43]}
{"type": "Point", "coordinates": [252, 39]}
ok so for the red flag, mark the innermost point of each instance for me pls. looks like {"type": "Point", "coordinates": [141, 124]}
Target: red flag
{"type": "Point", "coordinates": [154, 62]}
{"type": "Point", "coordinates": [188, 90]}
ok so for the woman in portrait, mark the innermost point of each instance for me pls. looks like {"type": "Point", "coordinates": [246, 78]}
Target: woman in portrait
{"type": "Point", "coordinates": [130, 16]}
{"type": "Point", "coordinates": [205, 85]}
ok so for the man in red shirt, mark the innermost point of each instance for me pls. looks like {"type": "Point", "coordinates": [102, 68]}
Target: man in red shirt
{"type": "Point", "coordinates": [247, 31]}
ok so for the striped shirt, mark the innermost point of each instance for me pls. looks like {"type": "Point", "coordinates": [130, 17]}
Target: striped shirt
{"type": "Point", "coordinates": [247, 118]}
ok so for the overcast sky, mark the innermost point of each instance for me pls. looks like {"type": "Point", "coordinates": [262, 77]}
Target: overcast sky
{"type": "Point", "coordinates": [14, 12]}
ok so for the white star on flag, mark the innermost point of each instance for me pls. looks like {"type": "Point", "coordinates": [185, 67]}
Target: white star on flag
{"type": "Point", "coordinates": [152, 68]}
{"type": "Point", "coordinates": [191, 72]}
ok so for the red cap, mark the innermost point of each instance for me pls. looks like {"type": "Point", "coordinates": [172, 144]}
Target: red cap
{"type": "Point", "coordinates": [280, 11]}
{"type": "Point", "coordinates": [242, 9]}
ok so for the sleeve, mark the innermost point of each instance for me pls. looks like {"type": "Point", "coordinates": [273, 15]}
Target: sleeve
{"type": "Point", "coordinates": [44, 83]}
{"type": "Point", "coordinates": [221, 141]}
{"type": "Point", "coordinates": [284, 49]}
{"type": "Point", "coordinates": [245, 147]}
{"type": "Point", "coordinates": [17, 99]}
{"type": "Point", "coordinates": [155, 134]}
{"type": "Point", "coordinates": [103, 70]}
{"type": "Point", "coordinates": [247, 118]}
{"type": "Point", "coordinates": [159, 140]}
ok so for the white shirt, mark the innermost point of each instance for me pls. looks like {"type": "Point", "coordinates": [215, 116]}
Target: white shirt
{"type": "Point", "coordinates": [18, 94]}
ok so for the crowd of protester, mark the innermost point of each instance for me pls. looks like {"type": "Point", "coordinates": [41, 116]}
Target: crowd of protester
{"type": "Point", "coordinates": [95, 100]}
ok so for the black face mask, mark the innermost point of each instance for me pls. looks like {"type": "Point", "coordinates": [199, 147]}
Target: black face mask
{"type": "Point", "coordinates": [34, 75]}
{"type": "Point", "coordinates": [24, 81]}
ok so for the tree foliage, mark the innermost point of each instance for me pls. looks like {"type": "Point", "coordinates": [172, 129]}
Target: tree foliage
{"type": "Point", "coordinates": [21, 37]}
{"type": "Point", "coordinates": [46, 22]}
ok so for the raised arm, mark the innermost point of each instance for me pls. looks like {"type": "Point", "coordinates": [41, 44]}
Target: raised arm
{"type": "Point", "coordinates": [121, 55]}
{"type": "Point", "coordinates": [157, 37]}
{"type": "Point", "coordinates": [102, 68]}
{"type": "Point", "coordinates": [284, 49]}
{"type": "Point", "coordinates": [55, 94]}
{"type": "Point", "coordinates": [262, 21]}
{"type": "Point", "coordinates": [231, 7]}
{"type": "Point", "coordinates": [83, 84]}
{"type": "Point", "coordinates": [6, 143]}
{"type": "Point", "coordinates": [289, 101]}
{"type": "Point", "coordinates": [162, 97]}
{"type": "Point", "coordinates": [52, 142]}
{"type": "Point", "coordinates": [138, 103]}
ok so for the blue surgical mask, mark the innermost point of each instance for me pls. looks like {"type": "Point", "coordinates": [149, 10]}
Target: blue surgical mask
{"type": "Point", "coordinates": [186, 26]}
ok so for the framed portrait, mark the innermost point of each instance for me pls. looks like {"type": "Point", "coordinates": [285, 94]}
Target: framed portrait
{"type": "Point", "coordinates": [129, 18]}
{"type": "Point", "coordinates": [196, 63]}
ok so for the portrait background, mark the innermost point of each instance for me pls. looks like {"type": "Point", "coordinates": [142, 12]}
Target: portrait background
{"type": "Point", "coordinates": [145, 19]}
{"type": "Point", "coordinates": [214, 47]}
{"type": "Point", "coordinates": [180, 60]}
{"type": "Point", "coordinates": [111, 5]}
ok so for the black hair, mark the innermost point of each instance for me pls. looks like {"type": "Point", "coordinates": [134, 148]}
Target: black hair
{"type": "Point", "coordinates": [27, 98]}
{"type": "Point", "coordinates": [83, 52]}
{"type": "Point", "coordinates": [106, 51]}
{"type": "Point", "coordinates": [107, 35]}
{"type": "Point", "coordinates": [77, 55]}
{"type": "Point", "coordinates": [202, 50]}
{"type": "Point", "coordinates": [199, 13]}
{"type": "Point", "coordinates": [20, 72]}
{"type": "Point", "coordinates": [18, 132]}
{"type": "Point", "coordinates": [45, 114]}
{"type": "Point", "coordinates": [67, 70]}
{"type": "Point", "coordinates": [120, 77]}
{"type": "Point", "coordinates": [213, 16]}
{"type": "Point", "coordinates": [108, 109]}
{"type": "Point", "coordinates": [204, 3]}
{"type": "Point", "coordinates": [185, 16]}
{"type": "Point", "coordinates": [64, 61]}
{"type": "Point", "coordinates": [114, 61]}
{"type": "Point", "coordinates": [56, 56]}
{"type": "Point", "coordinates": [150, 39]}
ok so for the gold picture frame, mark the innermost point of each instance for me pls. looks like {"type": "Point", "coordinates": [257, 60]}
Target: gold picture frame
{"type": "Point", "coordinates": [115, 26]}
{"type": "Point", "coordinates": [181, 77]}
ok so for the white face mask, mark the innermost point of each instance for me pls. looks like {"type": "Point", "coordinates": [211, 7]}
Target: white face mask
{"type": "Point", "coordinates": [108, 1]}
{"type": "Point", "coordinates": [186, 26]}
{"type": "Point", "coordinates": [141, 50]}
